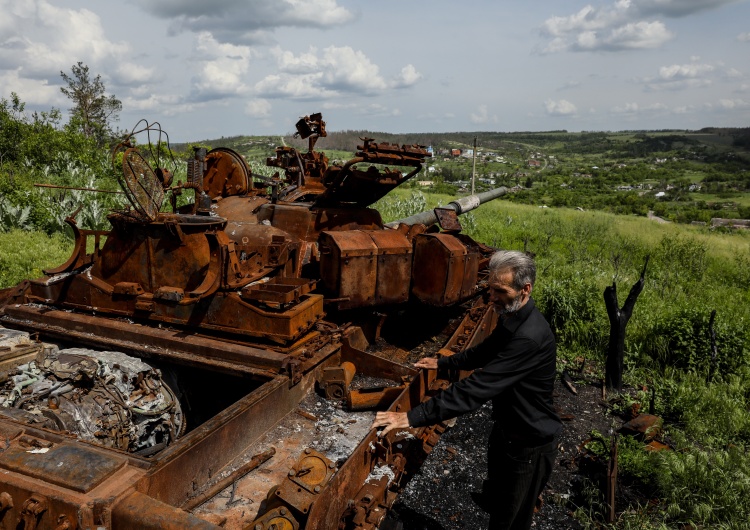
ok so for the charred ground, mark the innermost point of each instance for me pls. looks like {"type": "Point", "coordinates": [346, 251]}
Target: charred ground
{"type": "Point", "coordinates": [438, 496]}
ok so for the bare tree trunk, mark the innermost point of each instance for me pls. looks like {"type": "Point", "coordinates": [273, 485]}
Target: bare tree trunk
{"type": "Point", "coordinates": [618, 321]}
{"type": "Point", "coordinates": [714, 348]}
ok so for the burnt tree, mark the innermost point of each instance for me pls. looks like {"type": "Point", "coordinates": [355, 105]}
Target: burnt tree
{"type": "Point", "coordinates": [618, 321]}
{"type": "Point", "coordinates": [714, 348]}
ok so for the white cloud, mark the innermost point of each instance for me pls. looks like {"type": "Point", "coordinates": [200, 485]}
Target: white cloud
{"type": "Point", "coordinates": [628, 108]}
{"type": "Point", "coordinates": [408, 76]}
{"type": "Point", "coordinates": [560, 107]}
{"type": "Point", "coordinates": [292, 87]}
{"type": "Point", "coordinates": [370, 110]}
{"type": "Point", "coordinates": [168, 104]}
{"type": "Point", "coordinates": [733, 73]}
{"type": "Point", "coordinates": [482, 116]}
{"type": "Point", "coordinates": [305, 63]}
{"type": "Point", "coordinates": [620, 25]}
{"type": "Point", "coordinates": [635, 108]}
{"type": "Point", "coordinates": [241, 21]}
{"type": "Point", "coordinates": [45, 39]}
{"type": "Point", "coordinates": [223, 70]}
{"type": "Point", "coordinates": [684, 71]}
{"type": "Point", "coordinates": [38, 40]}
{"type": "Point", "coordinates": [681, 76]}
{"type": "Point", "coordinates": [346, 69]}
{"type": "Point", "coordinates": [30, 90]}
{"type": "Point", "coordinates": [258, 108]}
{"type": "Point", "coordinates": [734, 104]}
{"type": "Point", "coordinates": [568, 85]}
{"type": "Point", "coordinates": [636, 35]}
{"type": "Point", "coordinates": [685, 109]}
{"type": "Point", "coordinates": [128, 73]}
{"type": "Point", "coordinates": [591, 29]}
{"type": "Point", "coordinates": [330, 72]}
{"type": "Point", "coordinates": [744, 37]}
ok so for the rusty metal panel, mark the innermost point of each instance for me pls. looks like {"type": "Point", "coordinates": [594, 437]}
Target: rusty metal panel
{"type": "Point", "coordinates": [393, 267]}
{"type": "Point", "coordinates": [141, 512]}
{"type": "Point", "coordinates": [470, 275]}
{"type": "Point", "coordinates": [44, 477]}
{"type": "Point", "coordinates": [84, 467]}
{"type": "Point", "coordinates": [226, 173]}
{"type": "Point", "coordinates": [348, 266]}
{"type": "Point", "coordinates": [439, 271]}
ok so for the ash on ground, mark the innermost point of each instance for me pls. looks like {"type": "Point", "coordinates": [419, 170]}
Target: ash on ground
{"type": "Point", "coordinates": [366, 382]}
{"type": "Point", "coordinates": [438, 497]}
{"type": "Point", "coordinates": [338, 431]}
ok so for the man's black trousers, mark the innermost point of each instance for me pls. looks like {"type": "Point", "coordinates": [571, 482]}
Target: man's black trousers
{"type": "Point", "coordinates": [517, 473]}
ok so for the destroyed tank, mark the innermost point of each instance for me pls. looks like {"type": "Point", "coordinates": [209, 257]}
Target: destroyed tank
{"type": "Point", "coordinates": [219, 365]}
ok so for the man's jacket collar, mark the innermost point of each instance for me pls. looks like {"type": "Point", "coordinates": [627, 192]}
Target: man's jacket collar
{"type": "Point", "coordinates": [513, 321]}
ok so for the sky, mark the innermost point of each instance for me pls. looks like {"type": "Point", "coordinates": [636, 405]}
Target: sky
{"type": "Point", "coordinates": [230, 67]}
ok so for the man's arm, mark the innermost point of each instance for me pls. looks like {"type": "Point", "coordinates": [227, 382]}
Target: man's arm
{"type": "Point", "coordinates": [470, 393]}
{"type": "Point", "coordinates": [471, 358]}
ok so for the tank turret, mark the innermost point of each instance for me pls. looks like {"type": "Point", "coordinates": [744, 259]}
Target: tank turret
{"type": "Point", "coordinates": [267, 257]}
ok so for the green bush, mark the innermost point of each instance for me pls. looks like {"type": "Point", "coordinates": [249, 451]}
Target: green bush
{"type": "Point", "coordinates": [682, 340]}
{"type": "Point", "coordinates": [572, 304]}
{"type": "Point", "coordinates": [694, 487]}
{"type": "Point", "coordinates": [712, 414]}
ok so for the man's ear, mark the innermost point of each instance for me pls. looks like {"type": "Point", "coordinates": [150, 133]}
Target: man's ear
{"type": "Point", "coordinates": [527, 288]}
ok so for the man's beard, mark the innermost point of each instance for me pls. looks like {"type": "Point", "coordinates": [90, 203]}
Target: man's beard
{"type": "Point", "coordinates": [511, 307]}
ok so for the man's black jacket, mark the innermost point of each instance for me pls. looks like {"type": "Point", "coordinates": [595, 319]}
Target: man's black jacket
{"type": "Point", "coordinates": [515, 368]}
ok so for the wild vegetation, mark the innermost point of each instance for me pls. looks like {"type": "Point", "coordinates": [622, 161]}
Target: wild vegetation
{"type": "Point", "coordinates": [585, 238]}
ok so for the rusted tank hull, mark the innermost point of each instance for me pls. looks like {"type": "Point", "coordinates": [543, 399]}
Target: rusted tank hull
{"type": "Point", "coordinates": [53, 479]}
{"type": "Point", "coordinates": [96, 488]}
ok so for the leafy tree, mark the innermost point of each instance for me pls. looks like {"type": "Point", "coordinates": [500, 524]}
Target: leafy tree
{"type": "Point", "coordinates": [93, 109]}
{"type": "Point", "coordinates": [12, 127]}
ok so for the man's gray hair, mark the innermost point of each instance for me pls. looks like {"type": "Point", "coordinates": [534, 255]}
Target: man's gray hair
{"type": "Point", "coordinates": [519, 263]}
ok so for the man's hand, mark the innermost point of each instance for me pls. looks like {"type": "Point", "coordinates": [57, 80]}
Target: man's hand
{"type": "Point", "coordinates": [390, 420]}
{"type": "Point", "coordinates": [428, 363]}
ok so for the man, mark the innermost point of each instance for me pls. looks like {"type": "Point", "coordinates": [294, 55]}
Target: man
{"type": "Point", "coordinates": [515, 368]}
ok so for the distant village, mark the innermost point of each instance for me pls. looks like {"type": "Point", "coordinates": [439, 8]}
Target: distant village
{"type": "Point", "coordinates": [537, 161]}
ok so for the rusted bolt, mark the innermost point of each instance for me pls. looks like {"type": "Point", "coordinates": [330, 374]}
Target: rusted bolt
{"type": "Point", "coordinates": [282, 511]}
{"type": "Point", "coordinates": [332, 464]}
{"type": "Point", "coordinates": [6, 501]}
{"type": "Point", "coordinates": [258, 526]}
{"type": "Point", "coordinates": [307, 450]}
{"type": "Point", "coordinates": [63, 523]}
{"type": "Point", "coordinates": [292, 473]}
{"type": "Point", "coordinates": [317, 489]}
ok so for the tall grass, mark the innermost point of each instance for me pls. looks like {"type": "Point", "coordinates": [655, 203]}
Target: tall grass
{"type": "Point", "coordinates": [25, 254]}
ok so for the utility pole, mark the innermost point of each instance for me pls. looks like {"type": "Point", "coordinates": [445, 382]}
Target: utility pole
{"type": "Point", "coordinates": [474, 166]}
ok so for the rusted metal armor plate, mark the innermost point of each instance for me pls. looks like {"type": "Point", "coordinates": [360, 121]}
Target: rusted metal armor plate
{"type": "Point", "coordinates": [74, 467]}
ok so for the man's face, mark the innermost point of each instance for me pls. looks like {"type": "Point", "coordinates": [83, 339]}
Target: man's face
{"type": "Point", "coordinates": [503, 296]}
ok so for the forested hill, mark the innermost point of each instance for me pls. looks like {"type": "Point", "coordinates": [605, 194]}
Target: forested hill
{"type": "Point", "coordinates": [625, 143]}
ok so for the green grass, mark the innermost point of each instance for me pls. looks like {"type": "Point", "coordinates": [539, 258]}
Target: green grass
{"type": "Point", "coordinates": [23, 255]}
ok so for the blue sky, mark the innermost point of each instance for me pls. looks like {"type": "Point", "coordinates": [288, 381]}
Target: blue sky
{"type": "Point", "coordinates": [207, 69]}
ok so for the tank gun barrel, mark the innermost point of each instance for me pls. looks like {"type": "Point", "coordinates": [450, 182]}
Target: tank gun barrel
{"type": "Point", "coordinates": [461, 206]}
